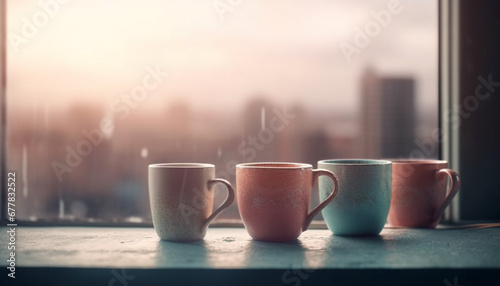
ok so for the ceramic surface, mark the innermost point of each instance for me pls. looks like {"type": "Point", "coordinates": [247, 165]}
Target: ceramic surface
{"type": "Point", "coordinates": [362, 204]}
{"type": "Point", "coordinates": [273, 198]}
{"type": "Point", "coordinates": [181, 198]}
{"type": "Point", "coordinates": [419, 192]}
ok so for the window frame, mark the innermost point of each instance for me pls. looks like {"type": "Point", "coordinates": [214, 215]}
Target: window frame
{"type": "Point", "coordinates": [448, 66]}
{"type": "Point", "coordinates": [3, 125]}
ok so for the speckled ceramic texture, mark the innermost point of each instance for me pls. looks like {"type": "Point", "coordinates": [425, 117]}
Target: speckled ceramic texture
{"type": "Point", "coordinates": [419, 189]}
{"type": "Point", "coordinates": [181, 198]}
{"type": "Point", "coordinates": [273, 198]}
{"type": "Point", "coordinates": [362, 205]}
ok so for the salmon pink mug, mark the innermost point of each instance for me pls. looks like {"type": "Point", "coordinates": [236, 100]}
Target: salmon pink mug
{"type": "Point", "coordinates": [420, 193]}
{"type": "Point", "coordinates": [273, 198]}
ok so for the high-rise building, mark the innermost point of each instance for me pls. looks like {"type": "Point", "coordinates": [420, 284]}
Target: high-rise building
{"type": "Point", "coordinates": [388, 115]}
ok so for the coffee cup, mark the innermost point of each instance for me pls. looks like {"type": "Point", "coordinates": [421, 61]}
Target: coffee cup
{"type": "Point", "coordinates": [273, 198]}
{"type": "Point", "coordinates": [420, 192]}
{"type": "Point", "coordinates": [181, 197]}
{"type": "Point", "coordinates": [362, 205]}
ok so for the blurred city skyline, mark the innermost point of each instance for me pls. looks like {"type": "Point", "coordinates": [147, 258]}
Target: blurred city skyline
{"type": "Point", "coordinates": [71, 169]}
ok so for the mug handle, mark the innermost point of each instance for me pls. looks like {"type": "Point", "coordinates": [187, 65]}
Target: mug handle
{"type": "Point", "coordinates": [316, 210]}
{"type": "Point", "coordinates": [452, 191]}
{"type": "Point", "coordinates": [227, 203]}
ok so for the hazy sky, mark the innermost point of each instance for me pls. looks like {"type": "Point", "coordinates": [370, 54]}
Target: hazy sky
{"type": "Point", "coordinates": [289, 50]}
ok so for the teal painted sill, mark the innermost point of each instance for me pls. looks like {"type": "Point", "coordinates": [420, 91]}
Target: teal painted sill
{"type": "Point", "coordinates": [227, 255]}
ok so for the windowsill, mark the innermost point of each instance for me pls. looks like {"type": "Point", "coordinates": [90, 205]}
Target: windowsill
{"type": "Point", "coordinates": [461, 251]}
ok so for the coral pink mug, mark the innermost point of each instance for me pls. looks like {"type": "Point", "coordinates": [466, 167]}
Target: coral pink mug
{"type": "Point", "coordinates": [419, 192]}
{"type": "Point", "coordinates": [273, 198]}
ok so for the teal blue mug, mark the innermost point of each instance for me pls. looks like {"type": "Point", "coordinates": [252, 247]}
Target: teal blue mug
{"type": "Point", "coordinates": [362, 203]}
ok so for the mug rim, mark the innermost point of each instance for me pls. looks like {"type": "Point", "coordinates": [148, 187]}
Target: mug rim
{"type": "Point", "coordinates": [274, 165]}
{"type": "Point", "coordinates": [355, 162]}
{"type": "Point", "coordinates": [418, 161]}
{"type": "Point", "coordinates": [181, 165]}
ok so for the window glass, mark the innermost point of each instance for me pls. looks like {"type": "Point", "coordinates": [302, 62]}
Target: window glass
{"type": "Point", "coordinates": [97, 90]}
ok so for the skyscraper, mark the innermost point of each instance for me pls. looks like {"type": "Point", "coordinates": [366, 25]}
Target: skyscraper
{"type": "Point", "coordinates": [388, 115]}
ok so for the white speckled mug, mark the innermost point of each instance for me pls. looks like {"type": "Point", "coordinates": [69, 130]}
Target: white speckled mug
{"type": "Point", "coordinates": [181, 197]}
